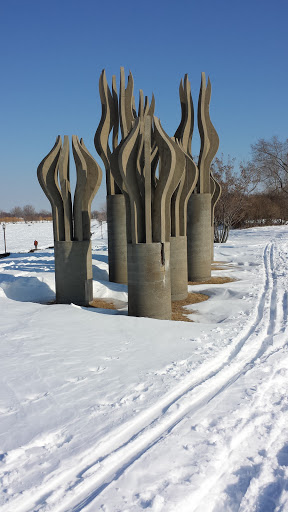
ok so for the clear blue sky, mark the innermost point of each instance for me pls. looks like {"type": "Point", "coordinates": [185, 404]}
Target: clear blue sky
{"type": "Point", "coordinates": [52, 54]}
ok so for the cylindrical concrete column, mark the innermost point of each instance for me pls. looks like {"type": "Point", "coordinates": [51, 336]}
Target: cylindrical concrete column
{"type": "Point", "coordinates": [212, 243]}
{"type": "Point", "coordinates": [178, 266]}
{"type": "Point", "coordinates": [199, 237]}
{"type": "Point", "coordinates": [117, 239]}
{"type": "Point", "coordinates": [73, 272]}
{"type": "Point", "coordinates": [149, 287]}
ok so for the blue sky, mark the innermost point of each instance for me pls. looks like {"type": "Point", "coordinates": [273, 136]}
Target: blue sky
{"type": "Point", "coordinates": [52, 54]}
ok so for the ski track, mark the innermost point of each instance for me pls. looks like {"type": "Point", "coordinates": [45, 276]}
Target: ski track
{"type": "Point", "coordinates": [77, 483]}
{"type": "Point", "coordinates": [264, 477]}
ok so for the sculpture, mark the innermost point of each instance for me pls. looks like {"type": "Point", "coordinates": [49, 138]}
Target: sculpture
{"type": "Point", "coordinates": [133, 176]}
{"type": "Point", "coordinates": [199, 205]}
{"type": "Point", "coordinates": [116, 111]}
{"type": "Point", "coordinates": [116, 214]}
{"type": "Point", "coordinates": [160, 204]}
{"type": "Point", "coordinates": [178, 239]}
{"type": "Point", "coordinates": [148, 199]}
{"type": "Point", "coordinates": [71, 227]}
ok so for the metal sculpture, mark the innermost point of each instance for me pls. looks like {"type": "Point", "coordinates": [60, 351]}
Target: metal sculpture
{"type": "Point", "coordinates": [116, 214]}
{"type": "Point", "coordinates": [148, 198]}
{"type": "Point", "coordinates": [116, 111]}
{"type": "Point", "coordinates": [178, 239]}
{"type": "Point", "coordinates": [199, 205]}
{"type": "Point", "coordinates": [71, 226]}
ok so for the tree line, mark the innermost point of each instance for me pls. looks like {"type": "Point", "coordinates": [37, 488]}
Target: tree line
{"type": "Point", "coordinates": [28, 214]}
{"type": "Point", "coordinates": [256, 193]}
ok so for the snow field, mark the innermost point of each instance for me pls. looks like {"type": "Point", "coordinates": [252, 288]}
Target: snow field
{"type": "Point", "coordinates": [100, 411]}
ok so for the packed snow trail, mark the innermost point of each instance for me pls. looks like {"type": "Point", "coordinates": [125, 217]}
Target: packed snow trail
{"type": "Point", "coordinates": [209, 399]}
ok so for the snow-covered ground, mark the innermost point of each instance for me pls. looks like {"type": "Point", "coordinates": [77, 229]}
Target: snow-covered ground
{"type": "Point", "coordinates": [104, 412]}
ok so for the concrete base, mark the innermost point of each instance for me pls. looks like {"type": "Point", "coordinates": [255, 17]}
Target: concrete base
{"type": "Point", "coordinates": [199, 237]}
{"type": "Point", "coordinates": [73, 272]}
{"type": "Point", "coordinates": [178, 267]}
{"type": "Point", "coordinates": [149, 287]}
{"type": "Point", "coordinates": [117, 239]}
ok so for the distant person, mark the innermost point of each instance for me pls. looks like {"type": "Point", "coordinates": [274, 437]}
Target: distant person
{"type": "Point", "coordinates": [35, 244]}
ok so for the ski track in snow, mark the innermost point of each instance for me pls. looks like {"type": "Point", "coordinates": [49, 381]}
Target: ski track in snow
{"type": "Point", "coordinates": [78, 482]}
{"type": "Point", "coordinates": [269, 418]}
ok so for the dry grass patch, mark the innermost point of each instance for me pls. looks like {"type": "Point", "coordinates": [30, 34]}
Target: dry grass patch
{"type": "Point", "coordinates": [10, 219]}
{"type": "Point", "coordinates": [96, 303]}
{"type": "Point", "coordinates": [218, 268]}
{"type": "Point", "coordinates": [102, 303]}
{"type": "Point", "coordinates": [221, 265]}
{"type": "Point", "coordinates": [213, 280]}
{"type": "Point", "coordinates": [179, 313]}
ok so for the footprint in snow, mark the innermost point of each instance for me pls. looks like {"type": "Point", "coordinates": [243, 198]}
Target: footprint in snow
{"type": "Point", "coordinates": [35, 397]}
{"type": "Point", "coordinates": [140, 389]}
{"type": "Point", "coordinates": [143, 387]}
{"type": "Point", "coordinates": [76, 380]}
{"type": "Point", "coordinates": [50, 441]}
{"type": "Point", "coordinates": [98, 369]}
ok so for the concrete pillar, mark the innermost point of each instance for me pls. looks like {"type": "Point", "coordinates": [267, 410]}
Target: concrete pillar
{"type": "Point", "coordinates": [178, 267]}
{"type": "Point", "coordinates": [199, 237]}
{"type": "Point", "coordinates": [212, 243]}
{"type": "Point", "coordinates": [117, 239]}
{"type": "Point", "coordinates": [73, 272]}
{"type": "Point", "coordinates": [149, 286]}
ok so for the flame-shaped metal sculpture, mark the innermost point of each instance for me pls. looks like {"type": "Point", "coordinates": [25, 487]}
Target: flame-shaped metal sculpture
{"type": "Point", "coordinates": [199, 206]}
{"type": "Point", "coordinates": [117, 111]}
{"type": "Point", "coordinates": [180, 198]}
{"type": "Point", "coordinates": [148, 199]}
{"type": "Point", "coordinates": [71, 226]}
{"type": "Point", "coordinates": [116, 214]}
{"type": "Point", "coordinates": [208, 135]}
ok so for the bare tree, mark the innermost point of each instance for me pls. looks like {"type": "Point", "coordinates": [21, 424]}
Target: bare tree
{"type": "Point", "coordinates": [236, 187]}
{"type": "Point", "coordinates": [17, 211]}
{"type": "Point", "coordinates": [29, 212]}
{"type": "Point", "coordinates": [100, 215]}
{"type": "Point", "coordinates": [270, 161]}
{"type": "Point", "coordinates": [44, 214]}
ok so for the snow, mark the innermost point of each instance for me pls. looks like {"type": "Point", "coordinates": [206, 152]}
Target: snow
{"type": "Point", "coordinates": [104, 412]}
